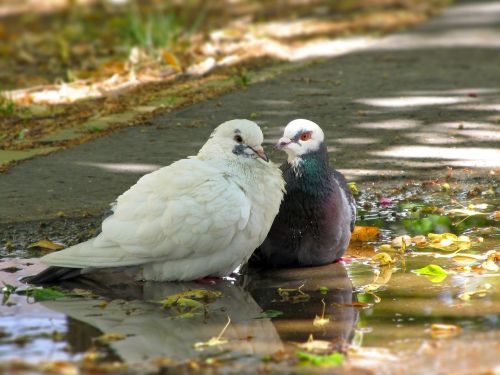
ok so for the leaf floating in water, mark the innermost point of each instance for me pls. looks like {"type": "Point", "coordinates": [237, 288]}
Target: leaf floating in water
{"type": "Point", "coordinates": [480, 292]}
{"type": "Point", "coordinates": [449, 242]}
{"type": "Point", "coordinates": [420, 241]}
{"type": "Point", "coordinates": [214, 341]}
{"type": "Point", "coordinates": [333, 359]}
{"type": "Point", "coordinates": [191, 295]}
{"type": "Point", "coordinates": [386, 247]}
{"type": "Point", "coordinates": [365, 234]}
{"type": "Point", "coordinates": [293, 295]}
{"type": "Point", "coordinates": [323, 289]}
{"type": "Point", "coordinates": [46, 244]}
{"type": "Point", "coordinates": [315, 346]}
{"type": "Point", "coordinates": [444, 330]}
{"type": "Point", "coordinates": [401, 241]}
{"type": "Point", "coordinates": [434, 273]}
{"type": "Point", "coordinates": [109, 337]}
{"type": "Point", "coordinates": [44, 294]}
{"type": "Point", "coordinates": [383, 259]}
{"type": "Point", "coordinates": [270, 314]}
{"type": "Point", "coordinates": [362, 305]}
{"type": "Point", "coordinates": [321, 321]}
{"type": "Point", "coordinates": [354, 188]}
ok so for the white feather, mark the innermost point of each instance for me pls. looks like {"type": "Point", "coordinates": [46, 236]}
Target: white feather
{"type": "Point", "coordinates": [196, 217]}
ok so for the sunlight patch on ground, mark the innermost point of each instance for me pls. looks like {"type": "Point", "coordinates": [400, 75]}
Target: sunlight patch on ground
{"type": "Point", "coordinates": [460, 156]}
{"type": "Point", "coordinates": [356, 174]}
{"type": "Point", "coordinates": [390, 124]}
{"type": "Point", "coordinates": [432, 138]}
{"type": "Point", "coordinates": [412, 101]}
{"type": "Point", "coordinates": [123, 167]}
{"type": "Point", "coordinates": [479, 107]}
{"type": "Point", "coordinates": [356, 141]}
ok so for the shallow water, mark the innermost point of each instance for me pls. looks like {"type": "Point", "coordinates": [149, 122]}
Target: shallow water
{"type": "Point", "coordinates": [381, 316]}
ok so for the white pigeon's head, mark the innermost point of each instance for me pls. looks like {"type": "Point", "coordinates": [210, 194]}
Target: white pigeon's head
{"type": "Point", "coordinates": [241, 138]}
{"type": "Point", "coordinates": [300, 137]}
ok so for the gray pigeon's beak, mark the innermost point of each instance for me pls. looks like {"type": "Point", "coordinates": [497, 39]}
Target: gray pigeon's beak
{"type": "Point", "coordinates": [260, 152]}
{"type": "Point", "coordinates": [282, 143]}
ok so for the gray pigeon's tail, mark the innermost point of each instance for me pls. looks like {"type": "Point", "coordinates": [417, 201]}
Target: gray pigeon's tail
{"type": "Point", "coordinates": [53, 275]}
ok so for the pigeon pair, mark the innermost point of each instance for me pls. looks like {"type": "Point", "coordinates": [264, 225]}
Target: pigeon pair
{"type": "Point", "coordinates": [205, 215]}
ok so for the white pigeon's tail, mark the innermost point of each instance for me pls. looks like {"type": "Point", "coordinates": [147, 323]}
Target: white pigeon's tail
{"type": "Point", "coordinates": [86, 254]}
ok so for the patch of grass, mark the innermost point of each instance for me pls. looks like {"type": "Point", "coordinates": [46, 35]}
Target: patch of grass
{"type": "Point", "coordinates": [7, 106]}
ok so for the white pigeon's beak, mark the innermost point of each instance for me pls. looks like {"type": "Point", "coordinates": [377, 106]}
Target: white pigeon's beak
{"type": "Point", "coordinates": [260, 152]}
{"type": "Point", "coordinates": [282, 143]}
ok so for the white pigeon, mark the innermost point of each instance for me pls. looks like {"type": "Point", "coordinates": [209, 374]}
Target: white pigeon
{"type": "Point", "coordinates": [200, 216]}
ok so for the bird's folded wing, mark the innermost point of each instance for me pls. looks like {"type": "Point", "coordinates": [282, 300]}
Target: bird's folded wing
{"type": "Point", "coordinates": [187, 209]}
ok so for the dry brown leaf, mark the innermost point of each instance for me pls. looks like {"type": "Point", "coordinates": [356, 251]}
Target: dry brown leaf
{"type": "Point", "coordinates": [365, 234]}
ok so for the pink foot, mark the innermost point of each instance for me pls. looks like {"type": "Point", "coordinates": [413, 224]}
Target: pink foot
{"type": "Point", "coordinates": [344, 260]}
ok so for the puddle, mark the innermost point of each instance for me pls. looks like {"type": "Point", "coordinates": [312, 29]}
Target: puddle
{"type": "Point", "coordinates": [380, 316]}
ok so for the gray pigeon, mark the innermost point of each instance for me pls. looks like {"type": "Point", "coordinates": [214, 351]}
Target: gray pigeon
{"type": "Point", "coordinates": [317, 215]}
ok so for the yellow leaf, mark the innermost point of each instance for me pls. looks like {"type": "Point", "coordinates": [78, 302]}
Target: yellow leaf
{"type": "Point", "coordinates": [386, 247]}
{"type": "Point", "coordinates": [320, 321]}
{"type": "Point", "coordinates": [189, 296]}
{"type": "Point", "coordinates": [219, 340]}
{"type": "Point", "coordinates": [110, 337]}
{"type": "Point", "coordinates": [365, 234]}
{"type": "Point", "coordinates": [171, 60]}
{"type": "Point", "coordinates": [46, 244]}
{"type": "Point", "coordinates": [444, 330]}
{"type": "Point", "coordinates": [383, 259]}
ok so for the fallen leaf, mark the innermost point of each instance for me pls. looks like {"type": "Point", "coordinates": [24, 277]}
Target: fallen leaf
{"type": "Point", "coordinates": [434, 273]}
{"type": "Point", "coordinates": [365, 234]}
{"type": "Point", "coordinates": [419, 241]}
{"type": "Point", "coordinates": [46, 244]}
{"type": "Point", "coordinates": [171, 60]}
{"type": "Point", "coordinates": [354, 188]}
{"type": "Point", "coordinates": [383, 259]}
{"type": "Point", "coordinates": [480, 292]}
{"type": "Point", "coordinates": [109, 337]}
{"type": "Point", "coordinates": [321, 321]}
{"type": "Point", "coordinates": [43, 294]}
{"type": "Point", "coordinates": [401, 241]}
{"type": "Point", "coordinates": [293, 295]}
{"type": "Point", "coordinates": [323, 289]}
{"type": "Point", "coordinates": [187, 297]}
{"type": "Point", "coordinates": [312, 345]}
{"type": "Point", "coordinates": [270, 314]}
{"type": "Point", "coordinates": [214, 340]}
{"type": "Point", "coordinates": [444, 330]}
{"type": "Point", "coordinates": [362, 305]}
{"type": "Point", "coordinates": [333, 359]}
{"type": "Point", "coordinates": [385, 247]}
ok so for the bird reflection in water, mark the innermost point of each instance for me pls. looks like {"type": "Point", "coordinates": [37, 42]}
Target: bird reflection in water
{"type": "Point", "coordinates": [150, 332]}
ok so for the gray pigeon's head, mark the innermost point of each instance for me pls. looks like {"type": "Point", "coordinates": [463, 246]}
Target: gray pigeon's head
{"type": "Point", "coordinates": [300, 137]}
{"type": "Point", "coordinates": [242, 138]}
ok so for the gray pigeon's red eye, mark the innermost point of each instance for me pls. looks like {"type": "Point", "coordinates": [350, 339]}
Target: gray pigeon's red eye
{"type": "Point", "coordinates": [305, 136]}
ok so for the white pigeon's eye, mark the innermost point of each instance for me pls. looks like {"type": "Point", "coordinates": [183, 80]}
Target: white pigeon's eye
{"type": "Point", "coordinates": [305, 136]}
{"type": "Point", "coordinates": [238, 138]}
